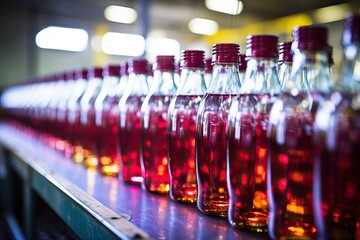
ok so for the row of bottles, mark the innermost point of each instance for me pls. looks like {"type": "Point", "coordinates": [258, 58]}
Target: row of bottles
{"type": "Point", "coordinates": [264, 139]}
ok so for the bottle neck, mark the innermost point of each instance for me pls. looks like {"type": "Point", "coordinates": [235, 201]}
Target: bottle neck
{"type": "Point", "coordinates": [137, 85]}
{"type": "Point", "coordinates": [163, 83]}
{"type": "Point", "coordinates": [122, 85]}
{"type": "Point", "coordinates": [349, 77]}
{"type": "Point", "coordinates": [261, 76]}
{"type": "Point", "coordinates": [310, 72]}
{"type": "Point", "coordinates": [284, 72]}
{"type": "Point", "coordinates": [109, 85]}
{"type": "Point", "coordinates": [192, 82]}
{"type": "Point", "coordinates": [225, 79]}
{"type": "Point", "coordinates": [93, 88]}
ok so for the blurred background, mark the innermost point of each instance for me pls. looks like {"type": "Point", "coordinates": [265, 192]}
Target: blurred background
{"type": "Point", "coordinates": [39, 37]}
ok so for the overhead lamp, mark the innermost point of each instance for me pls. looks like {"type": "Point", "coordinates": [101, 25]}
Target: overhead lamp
{"type": "Point", "coordinates": [331, 13]}
{"type": "Point", "coordinates": [61, 38]}
{"type": "Point", "coordinates": [203, 26]}
{"type": "Point", "coordinates": [232, 7]}
{"type": "Point", "coordinates": [120, 14]}
{"type": "Point", "coordinates": [162, 46]}
{"type": "Point", "coordinates": [123, 44]}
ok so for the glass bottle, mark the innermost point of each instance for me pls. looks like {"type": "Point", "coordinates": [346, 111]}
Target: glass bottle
{"type": "Point", "coordinates": [130, 117]}
{"type": "Point", "coordinates": [181, 127]}
{"type": "Point", "coordinates": [154, 114]}
{"type": "Point", "coordinates": [74, 147]}
{"type": "Point", "coordinates": [62, 112]}
{"type": "Point", "coordinates": [87, 116]}
{"type": "Point", "coordinates": [290, 159]}
{"type": "Point", "coordinates": [242, 67]}
{"type": "Point", "coordinates": [210, 138]}
{"type": "Point", "coordinates": [107, 122]}
{"type": "Point", "coordinates": [208, 72]}
{"type": "Point", "coordinates": [337, 136]}
{"type": "Point", "coordinates": [51, 108]}
{"type": "Point", "coordinates": [285, 62]}
{"type": "Point", "coordinates": [247, 143]}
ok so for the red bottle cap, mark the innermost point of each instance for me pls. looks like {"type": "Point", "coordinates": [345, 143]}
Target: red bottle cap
{"type": "Point", "coordinates": [226, 53]}
{"type": "Point", "coordinates": [150, 70]}
{"type": "Point", "coordinates": [124, 68]}
{"type": "Point", "coordinates": [164, 63]}
{"type": "Point", "coordinates": [112, 70]}
{"type": "Point", "coordinates": [262, 46]}
{"type": "Point", "coordinates": [351, 31]}
{"type": "Point", "coordinates": [311, 38]}
{"type": "Point", "coordinates": [285, 54]}
{"type": "Point", "coordinates": [60, 76]}
{"type": "Point", "coordinates": [95, 72]}
{"type": "Point", "coordinates": [193, 58]}
{"type": "Point", "coordinates": [71, 75]}
{"type": "Point", "coordinates": [82, 73]}
{"type": "Point", "coordinates": [243, 63]}
{"type": "Point", "coordinates": [138, 66]}
{"type": "Point", "coordinates": [208, 65]}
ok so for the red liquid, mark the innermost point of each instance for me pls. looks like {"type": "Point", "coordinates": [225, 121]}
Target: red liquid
{"type": "Point", "coordinates": [75, 129]}
{"type": "Point", "coordinates": [247, 148]}
{"type": "Point", "coordinates": [290, 173]}
{"type": "Point", "coordinates": [87, 136]}
{"type": "Point", "coordinates": [340, 165]}
{"type": "Point", "coordinates": [107, 137]}
{"type": "Point", "coordinates": [130, 117]}
{"type": "Point", "coordinates": [181, 148]}
{"type": "Point", "coordinates": [211, 154]}
{"type": "Point", "coordinates": [62, 126]}
{"type": "Point", "coordinates": [153, 154]}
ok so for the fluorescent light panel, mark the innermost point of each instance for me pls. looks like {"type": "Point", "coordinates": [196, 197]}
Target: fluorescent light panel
{"type": "Point", "coordinates": [61, 38]}
{"type": "Point", "coordinates": [331, 13]}
{"type": "Point", "coordinates": [120, 14]}
{"type": "Point", "coordinates": [203, 26]}
{"type": "Point", "coordinates": [163, 46]}
{"type": "Point", "coordinates": [123, 44]}
{"type": "Point", "coordinates": [232, 7]}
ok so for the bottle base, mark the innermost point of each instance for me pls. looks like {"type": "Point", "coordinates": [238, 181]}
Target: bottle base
{"type": "Point", "coordinates": [254, 222]}
{"type": "Point", "coordinates": [161, 189]}
{"type": "Point", "coordinates": [186, 200]}
{"type": "Point", "coordinates": [215, 208]}
{"type": "Point", "coordinates": [110, 170]}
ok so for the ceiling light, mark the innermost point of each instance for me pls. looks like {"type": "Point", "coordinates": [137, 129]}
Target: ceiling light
{"type": "Point", "coordinates": [162, 46]}
{"type": "Point", "coordinates": [123, 44]}
{"type": "Point", "coordinates": [331, 13]}
{"type": "Point", "coordinates": [233, 7]}
{"type": "Point", "coordinates": [120, 14]}
{"type": "Point", "coordinates": [60, 38]}
{"type": "Point", "coordinates": [203, 26]}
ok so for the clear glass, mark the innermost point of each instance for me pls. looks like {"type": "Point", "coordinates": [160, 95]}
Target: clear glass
{"type": "Point", "coordinates": [107, 125]}
{"type": "Point", "coordinates": [61, 115]}
{"type": "Point", "coordinates": [130, 118]}
{"type": "Point", "coordinates": [337, 136]}
{"type": "Point", "coordinates": [210, 139]}
{"type": "Point", "coordinates": [208, 77]}
{"type": "Point", "coordinates": [284, 73]}
{"type": "Point", "coordinates": [291, 160]}
{"type": "Point", "coordinates": [247, 145]}
{"type": "Point", "coordinates": [181, 131]}
{"type": "Point", "coordinates": [153, 149]}
{"type": "Point", "coordinates": [51, 109]}
{"type": "Point", "coordinates": [87, 120]}
{"type": "Point", "coordinates": [74, 147]}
